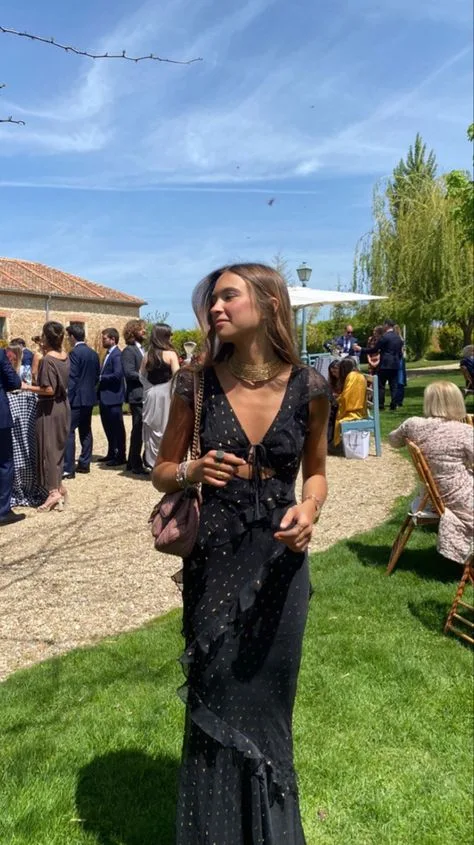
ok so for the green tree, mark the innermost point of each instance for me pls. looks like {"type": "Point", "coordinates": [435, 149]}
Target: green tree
{"type": "Point", "coordinates": [460, 187]}
{"type": "Point", "coordinates": [421, 261]}
{"type": "Point", "coordinates": [410, 175]}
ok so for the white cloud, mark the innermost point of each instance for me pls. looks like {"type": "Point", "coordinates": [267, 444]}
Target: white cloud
{"type": "Point", "coordinates": [269, 113]}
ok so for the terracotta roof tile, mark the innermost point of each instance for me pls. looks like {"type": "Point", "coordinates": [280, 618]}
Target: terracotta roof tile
{"type": "Point", "coordinates": [31, 277]}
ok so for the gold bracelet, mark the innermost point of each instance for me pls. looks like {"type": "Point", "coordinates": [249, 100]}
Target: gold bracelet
{"type": "Point", "coordinates": [317, 502]}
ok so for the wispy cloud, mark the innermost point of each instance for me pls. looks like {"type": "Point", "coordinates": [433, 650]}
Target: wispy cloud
{"type": "Point", "coordinates": [261, 107]}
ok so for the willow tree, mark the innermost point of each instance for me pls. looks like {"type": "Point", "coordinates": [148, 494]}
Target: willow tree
{"type": "Point", "coordinates": [421, 260]}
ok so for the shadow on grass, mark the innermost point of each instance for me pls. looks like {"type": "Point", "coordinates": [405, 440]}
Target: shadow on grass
{"type": "Point", "coordinates": [426, 563]}
{"type": "Point", "coordinates": [431, 613]}
{"type": "Point", "coordinates": [128, 797]}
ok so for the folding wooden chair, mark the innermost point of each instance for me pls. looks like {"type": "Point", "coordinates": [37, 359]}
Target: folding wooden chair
{"type": "Point", "coordinates": [455, 618]}
{"type": "Point", "coordinates": [428, 509]}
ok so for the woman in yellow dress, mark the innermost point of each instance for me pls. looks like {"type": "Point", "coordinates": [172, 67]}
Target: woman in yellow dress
{"type": "Point", "coordinates": [353, 396]}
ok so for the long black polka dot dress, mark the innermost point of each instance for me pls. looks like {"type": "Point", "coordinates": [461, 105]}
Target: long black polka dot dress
{"type": "Point", "coordinates": [245, 601]}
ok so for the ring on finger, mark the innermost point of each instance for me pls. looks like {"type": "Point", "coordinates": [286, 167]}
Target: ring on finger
{"type": "Point", "coordinates": [219, 456]}
{"type": "Point", "coordinates": [221, 474]}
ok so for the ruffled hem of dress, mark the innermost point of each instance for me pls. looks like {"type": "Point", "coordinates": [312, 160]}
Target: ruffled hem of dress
{"type": "Point", "coordinates": [278, 783]}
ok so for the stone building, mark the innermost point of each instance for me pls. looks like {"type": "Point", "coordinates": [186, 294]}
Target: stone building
{"type": "Point", "coordinates": [31, 293]}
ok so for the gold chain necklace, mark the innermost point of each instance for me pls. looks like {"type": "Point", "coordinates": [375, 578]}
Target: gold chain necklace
{"type": "Point", "coordinates": [254, 373]}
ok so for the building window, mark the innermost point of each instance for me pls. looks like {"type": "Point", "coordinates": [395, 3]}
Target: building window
{"type": "Point", "coordinates": [3, 328]}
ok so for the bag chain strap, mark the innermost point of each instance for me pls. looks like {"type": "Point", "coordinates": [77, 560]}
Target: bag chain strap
{"type": "Point", "coordinates": [198, 400]}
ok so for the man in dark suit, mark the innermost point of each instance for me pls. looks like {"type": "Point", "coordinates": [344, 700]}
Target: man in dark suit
{"type": "Point", "coordinates": [390, 346]}
{"type": "Point", "coordinates": [82, 394]}
{"type": "Point", "coordinates": [347, 342]}
{"type": "Point", "coordinates": [111, 392]}
{"type": "Point", "coordinates": [132, 356]}
{"type": "Point", "coordinates": [9, 380]}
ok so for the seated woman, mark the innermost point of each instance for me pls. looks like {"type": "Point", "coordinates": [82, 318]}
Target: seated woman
{"type": "Point", "coordinates": [353, 396]}
{"type": "Point", "coordinates": [448, 446]}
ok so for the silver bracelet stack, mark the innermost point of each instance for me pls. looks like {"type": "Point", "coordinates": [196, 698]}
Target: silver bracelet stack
{"type": "Point", "coordinates": [182, 474]}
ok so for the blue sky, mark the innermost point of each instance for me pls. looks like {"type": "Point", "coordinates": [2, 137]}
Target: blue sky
{"type": "Point", "coordinates": [147, 176]}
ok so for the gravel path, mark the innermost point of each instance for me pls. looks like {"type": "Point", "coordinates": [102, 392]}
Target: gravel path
{"type": "Point", "coordinates": [69, 579]}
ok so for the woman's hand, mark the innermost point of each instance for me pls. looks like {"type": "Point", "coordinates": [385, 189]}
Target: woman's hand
{"type": "Point", "coordinates": [296, 527]}
{"type": "Point", "coordinates": [217, 473]}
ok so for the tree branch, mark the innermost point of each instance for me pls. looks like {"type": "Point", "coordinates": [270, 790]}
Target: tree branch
{"type": "Point", "coordinates": [122, 55]}
{"type": "Point", "coordinates": [10, 120]}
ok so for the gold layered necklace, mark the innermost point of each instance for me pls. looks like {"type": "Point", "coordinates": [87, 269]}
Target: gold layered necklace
{"type": "Point", "coordinates": [255, 373]}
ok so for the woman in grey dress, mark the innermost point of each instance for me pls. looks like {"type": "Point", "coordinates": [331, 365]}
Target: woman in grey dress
{"type": "Point", "coordinates": [158, 368]}
{"type": "Point", "coordinates": [53, 414]}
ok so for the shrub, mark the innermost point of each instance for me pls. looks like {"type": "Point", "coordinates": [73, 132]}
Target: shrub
{"type": "Point", "coordinates": [181, 336]}
{"type": "Point", "coordinates": [450, 339]}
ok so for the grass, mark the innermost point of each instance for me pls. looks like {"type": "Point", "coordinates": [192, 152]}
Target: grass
{"type": "Point", "coordinates": [423, 363]}
{"type": "Point", "coordinates": [91, 740]}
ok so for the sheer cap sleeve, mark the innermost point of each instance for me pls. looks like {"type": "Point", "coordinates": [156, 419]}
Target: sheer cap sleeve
{"type": "Point", "coordinates": [184, 386]}
{"type": "Point", "coordinates": [317, 385]}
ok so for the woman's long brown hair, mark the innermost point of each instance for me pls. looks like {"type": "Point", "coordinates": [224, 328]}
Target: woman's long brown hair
{"type": "Point", "coordinates": [160, 340]}
{"type": "Point", "coordinates": [265, 284]}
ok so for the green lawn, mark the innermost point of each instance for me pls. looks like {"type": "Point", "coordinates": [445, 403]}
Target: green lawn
{"type": "Point", "coordinates": [424, 363]}
{"type": "Point", "coordinates": [91, 741]}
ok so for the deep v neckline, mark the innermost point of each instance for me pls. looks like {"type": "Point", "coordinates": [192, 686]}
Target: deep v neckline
{"type": "Point", "coordinates": [275, 418]}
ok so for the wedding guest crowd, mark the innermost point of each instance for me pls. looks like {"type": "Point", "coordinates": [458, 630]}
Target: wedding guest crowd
{"type": "Point", "coordinates": [46, 398]}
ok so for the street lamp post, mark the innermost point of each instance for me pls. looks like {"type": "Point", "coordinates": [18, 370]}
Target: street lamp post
{"type": "Point", "coordinates": [304, 275]}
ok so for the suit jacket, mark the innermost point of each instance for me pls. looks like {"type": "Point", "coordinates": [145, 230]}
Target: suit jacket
{"type": "Point", "coordinates": [111, 387]}
{"type": "Point", "coordinates": [9, 380]}
{"type": "Point", "coordinates": [27, 358]}
{"type": "Point", "coordinates": [131, 361]}
{"type": "Point", "coordinates": [390, 347]}
{"type": "Point", "coordinates": [340, 341]}
{"type": "Point", "coordinates": [83, 376]}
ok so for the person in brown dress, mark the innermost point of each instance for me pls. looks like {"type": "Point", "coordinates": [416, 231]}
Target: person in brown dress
{"type": "Point", "coordinates": [53, 414]}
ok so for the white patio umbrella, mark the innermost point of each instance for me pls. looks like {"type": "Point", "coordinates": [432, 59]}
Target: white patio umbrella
{"type": "Point", "coordinates": [303, 297]}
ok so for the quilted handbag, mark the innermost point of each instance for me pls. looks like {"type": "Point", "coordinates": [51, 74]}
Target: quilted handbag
{"type": "Point", "coordinates": [175, 519]}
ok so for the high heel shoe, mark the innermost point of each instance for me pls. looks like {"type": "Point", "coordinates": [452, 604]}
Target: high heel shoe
{"type": "Point", "coordinates": [65, 496]}
{"type": "Point", "coordinates": [51, 503]}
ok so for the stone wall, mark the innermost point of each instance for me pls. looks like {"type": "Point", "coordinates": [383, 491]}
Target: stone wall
{"type": "Point", "coordinates": [22, 315]}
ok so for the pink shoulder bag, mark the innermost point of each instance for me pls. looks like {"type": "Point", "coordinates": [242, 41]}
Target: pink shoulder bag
{"type": "Point", "coordinates": [175, 519]}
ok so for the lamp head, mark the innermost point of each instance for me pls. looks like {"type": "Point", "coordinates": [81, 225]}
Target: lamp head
{"type": "Point", "coordinates": [304, 273]}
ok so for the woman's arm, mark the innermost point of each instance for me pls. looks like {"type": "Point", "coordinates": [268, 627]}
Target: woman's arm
{"type": "Point", "coordinates": [34, 367]}
{"type": "Point", "coordinates": [296, 527]}
{"type": "Point", "coordinates": [174, 447]}
{"type": "Point", "coordinates": [398, 437]}
{"type": "Point", "coordinates": [35, 388]}
{"type": "Point", "coordinates": [171, 358]}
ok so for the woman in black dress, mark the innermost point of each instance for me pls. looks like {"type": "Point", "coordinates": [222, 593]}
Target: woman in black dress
{"type": "Point", "coordinates": [246, 583]}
